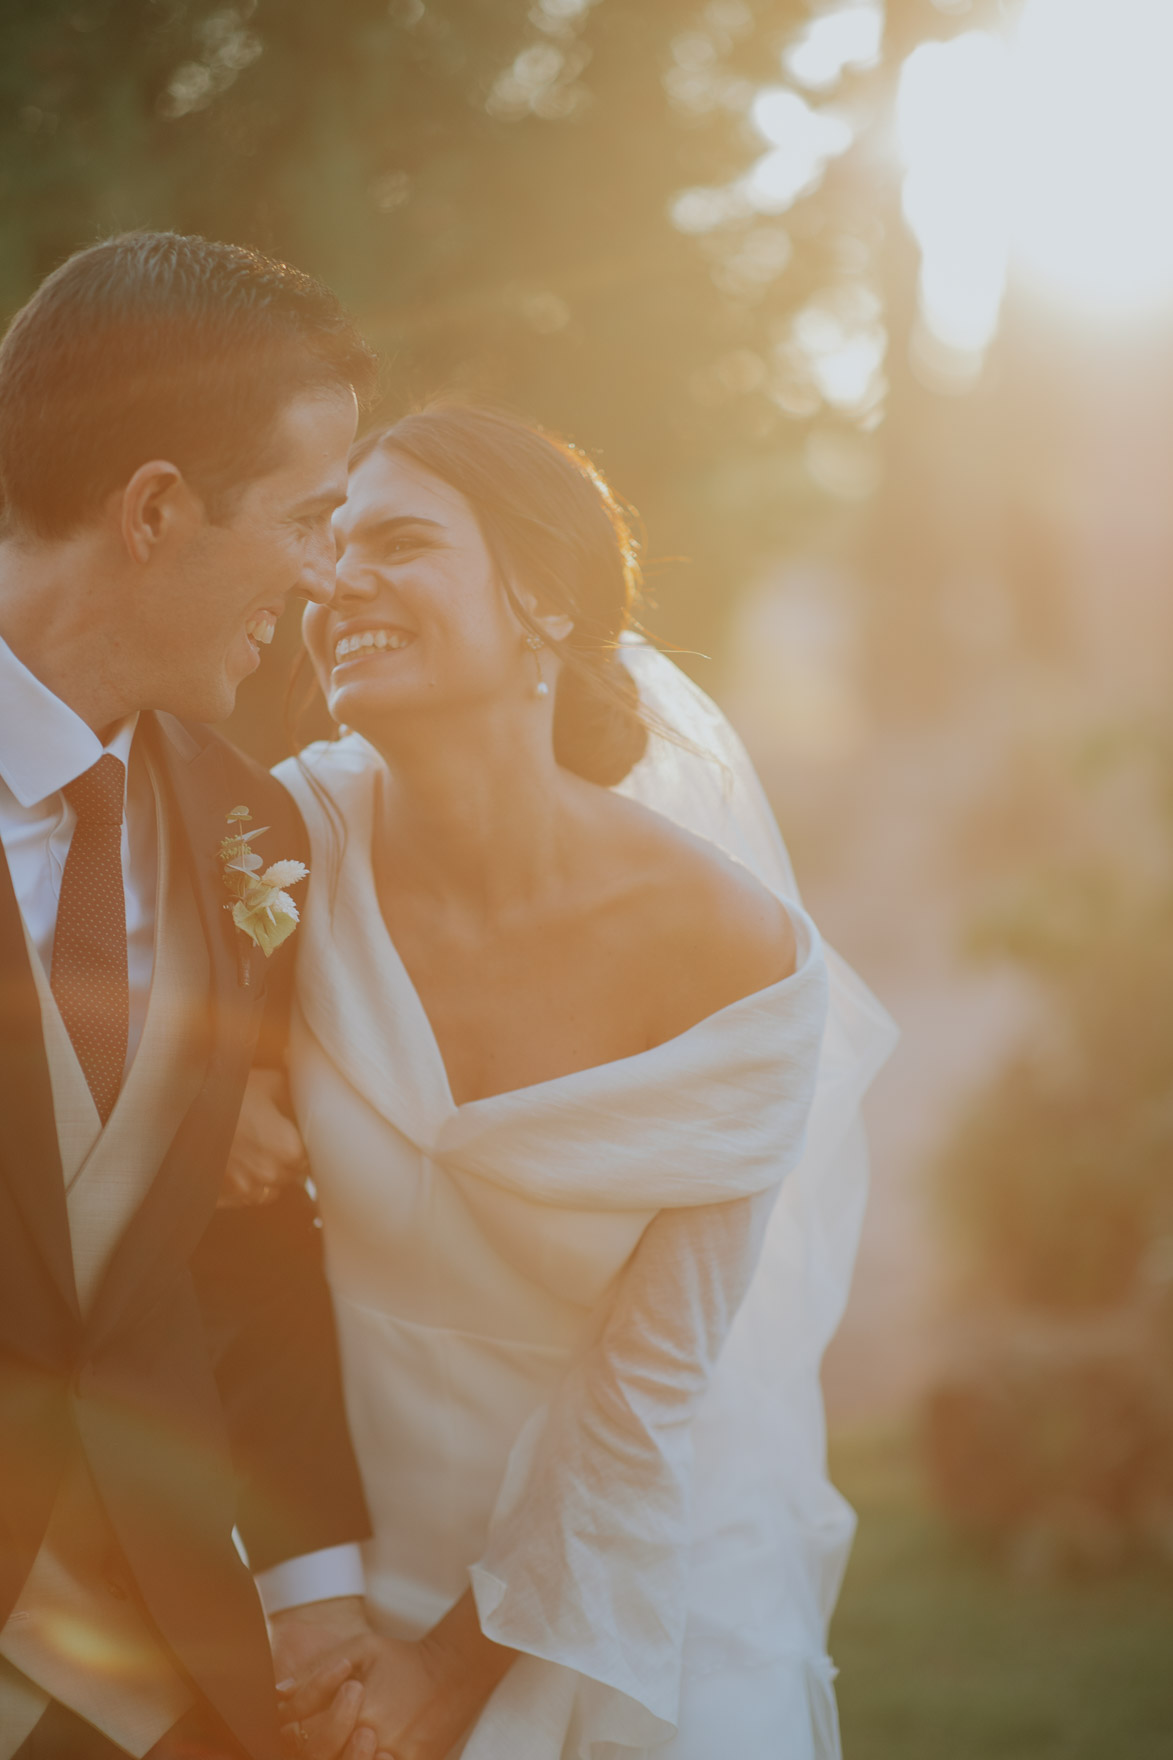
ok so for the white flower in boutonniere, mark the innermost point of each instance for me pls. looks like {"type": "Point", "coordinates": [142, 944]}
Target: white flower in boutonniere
{"type": "Point", "coordinates": [261, 908]}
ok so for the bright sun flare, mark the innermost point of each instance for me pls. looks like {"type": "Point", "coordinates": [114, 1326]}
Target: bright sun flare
{"type": "Point", "coordinates": [1047, 156]}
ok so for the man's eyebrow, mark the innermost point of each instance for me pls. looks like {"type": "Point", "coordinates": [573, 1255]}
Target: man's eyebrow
{"type": "Point", "coordinates": [327, 502]}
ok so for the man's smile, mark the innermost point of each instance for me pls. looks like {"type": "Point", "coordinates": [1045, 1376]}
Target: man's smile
{"type": "Point", "coordinates": [261, 626]}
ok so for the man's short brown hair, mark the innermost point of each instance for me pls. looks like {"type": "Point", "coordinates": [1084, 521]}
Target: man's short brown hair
{"type": "Point", "coordinates": [155, 345]}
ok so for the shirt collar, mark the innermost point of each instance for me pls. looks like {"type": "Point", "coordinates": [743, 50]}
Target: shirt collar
{"type": "Point", "coordinates": [44, 744]}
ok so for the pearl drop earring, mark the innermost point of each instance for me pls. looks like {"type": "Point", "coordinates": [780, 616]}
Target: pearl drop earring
{"type": "Point", "coordinates": [535, 644]}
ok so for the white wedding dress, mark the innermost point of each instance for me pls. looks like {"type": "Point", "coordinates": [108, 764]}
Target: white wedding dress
{"type": "Point", "coordinates": [581, 1323]}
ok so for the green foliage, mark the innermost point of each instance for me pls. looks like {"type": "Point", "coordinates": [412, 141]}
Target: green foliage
{"type": "Point", "coordinates": [1059, 1179]}
{"type": "Point", "coordinates": [938, 1661]}
{"type": "Point", "coordinates": [1054, 1449]}
{"type": "Point", "coordinates": [1049, 1432]}
{"type": "Point", "coordinates": [488, 184]}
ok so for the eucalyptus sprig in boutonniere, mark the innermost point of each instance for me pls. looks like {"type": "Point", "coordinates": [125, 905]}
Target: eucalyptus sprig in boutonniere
{"type": "Point", "coordinates": [261, 908]}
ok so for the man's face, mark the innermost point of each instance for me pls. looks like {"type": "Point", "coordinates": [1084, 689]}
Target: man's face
{"type": "Point", "coordinates": [204, 623]}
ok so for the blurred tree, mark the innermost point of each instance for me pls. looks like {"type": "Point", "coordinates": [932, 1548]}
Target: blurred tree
{"type": "Point", "coordinates": [1058, 1181]}
{"type": "Point", "coordinates": [490, 185]}
{"type": "Point", "coordinates": [655, 224]}
{"type": "Point", "coordinates": [1051, 1427]}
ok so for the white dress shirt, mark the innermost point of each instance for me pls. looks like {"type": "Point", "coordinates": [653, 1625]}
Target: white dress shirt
{"type": "Point", "coordinates": [44, 746]}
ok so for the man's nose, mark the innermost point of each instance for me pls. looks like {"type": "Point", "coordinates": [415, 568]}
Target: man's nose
{"type": "Point", "coordinates": [317, 580]}
{"type": "Point", "coordinates": [318, 587]}
{"type": "Point", "coordinates": [354, 582]}
{"type": "Point", "coordinates": [317, 575]}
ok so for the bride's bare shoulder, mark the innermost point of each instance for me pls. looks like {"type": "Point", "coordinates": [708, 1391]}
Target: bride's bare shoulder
{"type": "Point", "coordinates": [721, 934]}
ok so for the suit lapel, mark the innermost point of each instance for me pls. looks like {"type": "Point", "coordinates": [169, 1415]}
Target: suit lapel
{"type": "Point", "coordinates": [200, 789]}
{"type": "Point", "coordinates": [178, 1205]}
{"type": "Point", "coordinates": [29, 1157]}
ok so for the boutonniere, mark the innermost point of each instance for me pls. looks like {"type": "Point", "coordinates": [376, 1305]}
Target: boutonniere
{"type": "Point", "coordinates": [261, 908]}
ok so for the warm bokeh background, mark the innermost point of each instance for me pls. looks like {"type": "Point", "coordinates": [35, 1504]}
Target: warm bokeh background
{"type": "Point", "coordinates": [869, 310]}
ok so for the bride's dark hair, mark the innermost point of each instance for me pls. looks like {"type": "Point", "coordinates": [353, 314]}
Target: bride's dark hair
{"type": "Point", "coordinates": [557, 534]}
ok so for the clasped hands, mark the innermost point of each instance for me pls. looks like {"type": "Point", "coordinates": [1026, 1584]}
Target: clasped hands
{"type": "Point", "coordinates": [348, 1693]}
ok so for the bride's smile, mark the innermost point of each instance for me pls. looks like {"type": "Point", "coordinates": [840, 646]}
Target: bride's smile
{"type": "Point", "coordinates": [359, 644]}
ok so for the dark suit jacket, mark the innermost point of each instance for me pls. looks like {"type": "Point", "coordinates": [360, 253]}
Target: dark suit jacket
{"type": "Point", "coordinates": [203, 1388]}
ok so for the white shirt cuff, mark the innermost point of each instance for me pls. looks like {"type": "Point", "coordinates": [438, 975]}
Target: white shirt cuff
{"type": "Point", "coordinates": [315, 1576]}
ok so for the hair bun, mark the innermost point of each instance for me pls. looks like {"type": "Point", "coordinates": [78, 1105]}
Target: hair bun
{"type": "Point", "coordinates": [598, 730]}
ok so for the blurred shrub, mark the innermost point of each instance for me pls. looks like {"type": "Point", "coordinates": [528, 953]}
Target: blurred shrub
{"type": "Point", "coordinates": [1059, 1176]}
{"type": "Point", "coordinates": [1053, 1431]}
{"type": "Point", "coordinates": [1058, 1450]}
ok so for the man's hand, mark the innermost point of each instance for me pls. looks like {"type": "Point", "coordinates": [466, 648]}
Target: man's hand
{"type": "Point", "coordinates": [267, 1150]}
{"type": "Point", "coordinates": [318, 1631]}
{"type": "Point", "coordinates": [331, 1732]}
{"type": "Point", "coordinates": [420, 1697]}
{"type": "Point", "coordinates": [319, 1696]}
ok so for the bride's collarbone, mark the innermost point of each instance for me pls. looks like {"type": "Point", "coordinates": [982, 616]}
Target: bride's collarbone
{"type": "Point", "coordinates": [516, 1009]}
{"type": "Point", "coordinates": [605, 974]}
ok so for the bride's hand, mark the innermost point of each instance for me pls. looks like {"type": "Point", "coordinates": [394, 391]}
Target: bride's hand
{"type": "Point", "coordinates": [267, 1150]}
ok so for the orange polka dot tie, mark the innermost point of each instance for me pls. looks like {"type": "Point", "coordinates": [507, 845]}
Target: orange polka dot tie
{"type": "Point", "coordinates": [89, 945]}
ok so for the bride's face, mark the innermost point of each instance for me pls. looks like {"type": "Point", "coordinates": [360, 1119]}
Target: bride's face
{"type": "Point", "coordinates": [419, 619]}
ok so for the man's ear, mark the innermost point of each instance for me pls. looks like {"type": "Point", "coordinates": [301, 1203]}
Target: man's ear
{"type": "Point", "coordinates": [155, 506]}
